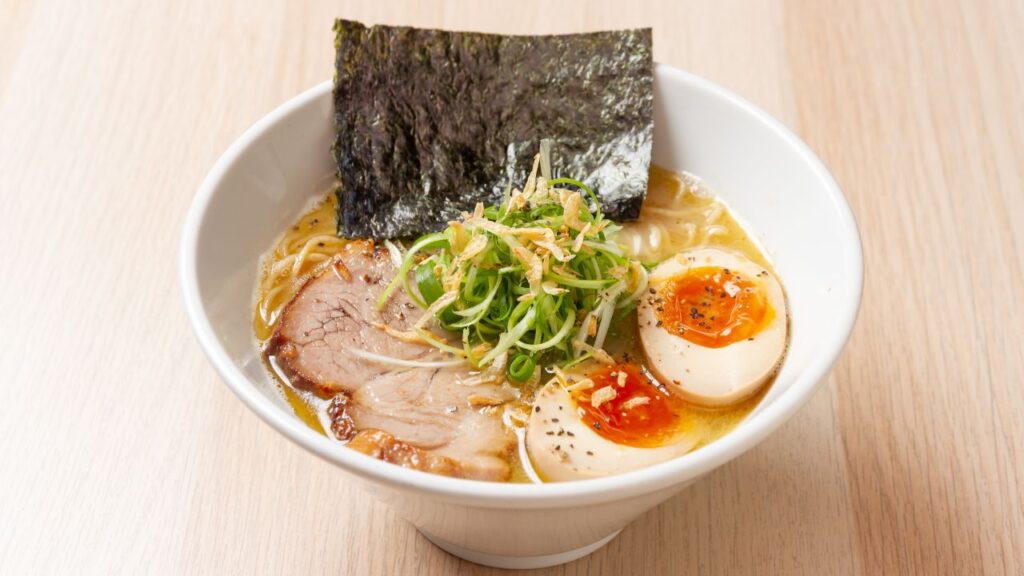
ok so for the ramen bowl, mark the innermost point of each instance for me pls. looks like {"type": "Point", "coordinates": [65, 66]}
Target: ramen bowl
{"type": "Point", "coordinates": [768, 176]}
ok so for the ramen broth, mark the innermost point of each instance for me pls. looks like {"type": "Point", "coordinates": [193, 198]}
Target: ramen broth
{"type": "Point", "coordinates": [679, 213]}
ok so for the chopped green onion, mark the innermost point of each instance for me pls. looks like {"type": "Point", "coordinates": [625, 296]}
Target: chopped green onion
{"type": "Point", "coordinates": [522, 283]}
{"type": "Point", "coordinates": [427, 283]}
{"type": "Point", "coordinates": [428, 241]}
{"type": "Point", "coordinates": [576, 282]}
{"type": "Point", "coordinates": [520, 369]}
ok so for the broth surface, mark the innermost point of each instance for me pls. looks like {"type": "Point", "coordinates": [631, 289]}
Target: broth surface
{"type": "Point", "coordinates": [678, 214]}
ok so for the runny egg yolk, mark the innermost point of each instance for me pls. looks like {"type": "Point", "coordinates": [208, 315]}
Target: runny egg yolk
{"type": "Point", "coordinates": [712, 307]}
{"type": "Point", "coordinates": [628, 407]}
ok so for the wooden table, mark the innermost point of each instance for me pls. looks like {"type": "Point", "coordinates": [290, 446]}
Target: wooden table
{"type": "Point", "coordinates": [121, 451]}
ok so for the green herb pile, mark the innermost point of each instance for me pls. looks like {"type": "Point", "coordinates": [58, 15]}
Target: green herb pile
{"type": "Point", "coordinates": [532, 281]}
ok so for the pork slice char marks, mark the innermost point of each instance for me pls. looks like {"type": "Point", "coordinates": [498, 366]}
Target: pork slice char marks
{"type": "Point", "coordinates": [427, 419]}
{"type": "Point", "coordinates": [431, 410]}
{"type": "Point", "coordinates": [384, 446]}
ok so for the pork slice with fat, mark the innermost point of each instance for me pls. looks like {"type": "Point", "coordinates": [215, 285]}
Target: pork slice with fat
{"type": "Point", "coordinates": [431, 410]}
{"type": "Point", "coordinates": [335, 312]}
{"type": "Point", "coordinates": [417, 417]}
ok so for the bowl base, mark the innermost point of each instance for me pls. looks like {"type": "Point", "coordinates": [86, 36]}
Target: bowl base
{"type": "Point", "coordinates": [518, 562]}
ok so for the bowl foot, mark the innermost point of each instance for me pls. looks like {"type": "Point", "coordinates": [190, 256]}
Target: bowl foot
{"type": "Point", "coordinates": [518, 562]}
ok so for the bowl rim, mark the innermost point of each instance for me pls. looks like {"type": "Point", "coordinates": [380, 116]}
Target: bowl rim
{"type": "Point", "coordinates": [661, 476]}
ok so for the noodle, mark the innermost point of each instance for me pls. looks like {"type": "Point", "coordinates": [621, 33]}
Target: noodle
{"type": "Point", "coordinates": [319, 240]}
{"type": "Point", "coordinates": [300, 252]}
{"type": "Point", "coordinates": [680, 213]}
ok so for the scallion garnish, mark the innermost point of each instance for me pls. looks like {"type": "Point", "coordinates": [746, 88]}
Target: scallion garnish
{"type": "Point", "coordinates": [521, 368]}
{"type": "Point", "coordinates": [534, 279]}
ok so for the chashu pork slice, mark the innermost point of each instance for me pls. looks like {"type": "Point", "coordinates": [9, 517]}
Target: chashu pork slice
{"type": "Point", "coordinates": [422, 418]}
{"type": "Point", "coordinates": [335, 312]}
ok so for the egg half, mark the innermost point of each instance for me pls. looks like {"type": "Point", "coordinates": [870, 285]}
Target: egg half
{"type": "Point", "coordinates": [713, 325]}
{"type": "Point", "coordinates": [603, 420]}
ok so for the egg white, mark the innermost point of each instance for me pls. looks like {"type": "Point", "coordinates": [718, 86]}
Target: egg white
{"type": "Point", "coordinates": [558, 442]}
{"type": "Point", "coordinates": [713, 376]}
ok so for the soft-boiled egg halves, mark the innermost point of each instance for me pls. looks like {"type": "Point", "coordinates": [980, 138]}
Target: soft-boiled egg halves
{"type": "Point", "coordinates": [713, 328]}
{"type": "Point", "coordinates": [603, 420]}
{"type": "Point", "coordinates": [713, 325]}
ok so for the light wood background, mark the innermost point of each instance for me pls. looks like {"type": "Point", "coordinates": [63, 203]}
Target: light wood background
{"type": "Point", "coordinates": [121, 451]}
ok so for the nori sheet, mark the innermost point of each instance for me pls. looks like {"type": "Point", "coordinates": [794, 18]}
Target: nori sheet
{"type": "Point", "coordinates": [429, 122]}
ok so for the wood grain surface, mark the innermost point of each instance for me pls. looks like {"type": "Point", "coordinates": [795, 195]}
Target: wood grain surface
{"type": "Point", "coordinates": [121, 451]}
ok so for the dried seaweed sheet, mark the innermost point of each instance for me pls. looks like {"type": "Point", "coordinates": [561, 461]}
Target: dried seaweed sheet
{"type": "Point", "coordinates": [430, 122]}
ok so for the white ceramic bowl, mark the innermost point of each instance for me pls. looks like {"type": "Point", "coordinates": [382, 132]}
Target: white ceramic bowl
{"type": "Point", "coordinates": [769, 177]}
